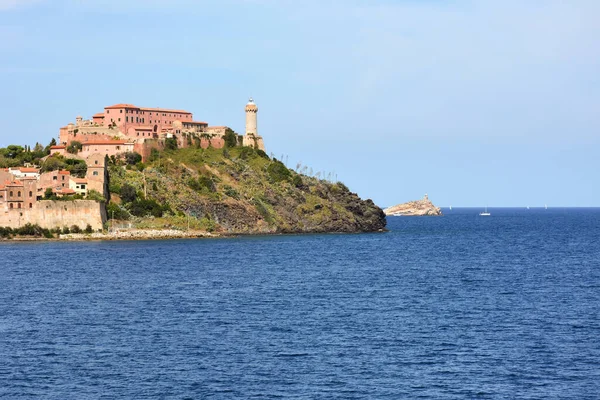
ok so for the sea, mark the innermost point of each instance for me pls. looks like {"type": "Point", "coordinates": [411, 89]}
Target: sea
{"type": "Point", "coordinates": [452, 307]}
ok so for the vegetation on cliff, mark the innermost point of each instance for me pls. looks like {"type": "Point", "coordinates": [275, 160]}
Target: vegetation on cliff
{"type": "Point", "coordinates": [232, 190]}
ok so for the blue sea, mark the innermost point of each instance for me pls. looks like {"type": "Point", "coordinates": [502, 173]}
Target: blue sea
{"type": "Point", "coordinates": [453, 307]}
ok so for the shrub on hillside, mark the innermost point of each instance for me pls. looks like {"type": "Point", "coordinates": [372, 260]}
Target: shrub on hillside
{"type": "Point", "coordinates": [132, 158]}
{"type": "Point", "coordinates": [278, 171]}
{"type": "Point", "coordinates": [230, 138]}
{"type": "Point", "coordinates": [145, 207]}
{"type": "Point", "coordinates": [171, 143]}
{"type": "Point", "coordinates": [128, 193]}
{"type": "Point", "coordinates": [116, 212]}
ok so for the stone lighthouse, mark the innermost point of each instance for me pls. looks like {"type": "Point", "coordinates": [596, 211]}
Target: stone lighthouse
{"type": "Point", "coordinates": [251, 138]}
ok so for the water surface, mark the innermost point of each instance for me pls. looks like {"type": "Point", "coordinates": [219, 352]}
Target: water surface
{"type": "Point", "coordinates": [461, 306]}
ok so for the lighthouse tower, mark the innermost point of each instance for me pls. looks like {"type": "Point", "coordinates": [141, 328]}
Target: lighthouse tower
{"type": "Point", "coordinates": [251, 138]}
{"type": "Point", "coordinates": [251, 114]}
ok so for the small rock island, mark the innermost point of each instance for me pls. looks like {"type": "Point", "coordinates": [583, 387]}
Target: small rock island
{"type": "Point", "coordinates": [423, 207]}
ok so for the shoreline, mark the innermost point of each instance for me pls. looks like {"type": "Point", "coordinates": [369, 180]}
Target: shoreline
{"type": "Point", "coordinates": [158, 234]}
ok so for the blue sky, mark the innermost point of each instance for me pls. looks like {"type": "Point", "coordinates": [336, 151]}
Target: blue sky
{"type": "Point", "coordinates": [474, 102]}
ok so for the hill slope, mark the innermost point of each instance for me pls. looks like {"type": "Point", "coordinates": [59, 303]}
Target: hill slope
{"type": "Point", "coordinates": [237, 191]}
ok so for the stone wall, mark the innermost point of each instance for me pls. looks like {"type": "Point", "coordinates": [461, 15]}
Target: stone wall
{"type": "Point", "coordinates": [51, 214]}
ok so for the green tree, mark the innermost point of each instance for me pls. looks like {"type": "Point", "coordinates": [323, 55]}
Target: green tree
{"type": "Point", "coordinates": [230, 138]}
{"type": "Point", "coordinates": [132, 158]}
{"type": "Point", "coordinates": [128, 193]}
{"type": "Point", "coordinates": [74, 147]}
{"type": "Point", "coordinates": [171, 143]}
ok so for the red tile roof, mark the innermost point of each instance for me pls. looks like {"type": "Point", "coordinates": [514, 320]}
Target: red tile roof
{"type": "Point", "coordinates": [98, 115]}
{"type": "Point", "coordinates": [121, 105]}
{"type": "Point", "coordinates": [63, 190]}
{"type": "Point", "coordinates": [25, 170]}
{"type": "Point", "coordinates": [79, 180]}
{"type": "Point", "coordinates": [64, 172]}
{"type": "Point", "coordinates": [57, 147]}
{"type": "Point", "coordinates": [165, 110]}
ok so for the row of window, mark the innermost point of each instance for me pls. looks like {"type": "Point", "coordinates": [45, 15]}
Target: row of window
{"type": "Point", "coordinates": [144, 113]}
{"type": "Point", "coordinates": [11, 194]}
{"type": "Point", "coordinates": [19, 205]}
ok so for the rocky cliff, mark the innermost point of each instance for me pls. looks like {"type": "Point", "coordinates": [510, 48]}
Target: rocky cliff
{"type": "Point", "coordinates": [414, 208]}
{"type": "Point", "coordinates": [234, 191]}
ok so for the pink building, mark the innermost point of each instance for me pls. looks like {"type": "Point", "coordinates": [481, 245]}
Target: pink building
{"type": "Point", "coordinates": [130, 119]}
{"type": "Point", "coordinates": [105, 147]}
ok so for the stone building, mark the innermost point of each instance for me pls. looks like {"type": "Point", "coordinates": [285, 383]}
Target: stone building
{"type": "Point", "coordinates": [126, 127]}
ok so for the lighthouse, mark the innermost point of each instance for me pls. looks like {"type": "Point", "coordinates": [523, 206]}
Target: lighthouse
{"type": "Point", "coordinates": [251, 138]}
{"type": "Point", "coordinates": [251, 116]}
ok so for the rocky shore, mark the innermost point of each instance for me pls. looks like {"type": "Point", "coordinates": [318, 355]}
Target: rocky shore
{"type": "Point", "coordinates": [423, 207]}
{"type": "Point", "coordinates": [138, 234]}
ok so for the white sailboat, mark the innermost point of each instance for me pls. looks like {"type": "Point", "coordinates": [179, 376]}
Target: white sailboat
{"type": "Point", "coordinates": [485, 213]}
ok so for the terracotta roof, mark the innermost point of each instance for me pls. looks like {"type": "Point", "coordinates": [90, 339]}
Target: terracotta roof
{"type": "Point", "coordinates": [194, 122]}
{"type": "Point", "coordinates": [57, 147]}
{"type": "Point", "coordinates": [121, 105]}
{"type": "Point", "coordinates": [166, 110]}
{"type": "Point", "coordinates": [79, 180]}
{"type": "Point", "coordinates": [105, 142]}
{"type": "Point", "coordinates": [64, 172]}
{"type": "Point", "coordinates": [98, 115]}
{"type": "Point", "coordinates": [64, 190]}
{"type": "Point", "coordinates": [13, 183]}
{"type": "Point", "coordinates": [25, 170]}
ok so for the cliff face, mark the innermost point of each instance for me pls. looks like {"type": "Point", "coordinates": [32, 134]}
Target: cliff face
{"type": "Point", "coordinates": [239, 191]}
{"type": "Point", "coordinates": [414, 208]}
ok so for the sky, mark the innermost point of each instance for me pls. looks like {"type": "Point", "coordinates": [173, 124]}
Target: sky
{"type": "Point", "coordinates": [474, 102]}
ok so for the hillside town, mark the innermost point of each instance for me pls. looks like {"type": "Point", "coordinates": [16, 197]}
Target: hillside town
{"type": "Point", "coordinates": [33, 193]}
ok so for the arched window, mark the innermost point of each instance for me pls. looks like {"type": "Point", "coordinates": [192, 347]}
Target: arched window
{"type": "Point", "coordinates": [19, 194]}
{"type": "Point", "coordinates": [11, 193]}
{"type": "Point", "coordinates": [30, 194]}
{"type": "Point", "coordinates": [30, 205]}
{"type": "Point", "coordinates": [11, 205]}
{"type": "Point", "coordinates": [19, 205]}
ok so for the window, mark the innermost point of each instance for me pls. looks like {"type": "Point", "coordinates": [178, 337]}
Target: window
{"type": "Point", "coordinates": [83, 186]}
{"type": "Point", "coordinates": [63, 185]}
{"type": "Point", "coordinates": [19, 205]}
{"type": "Point", "coordinates": [126, 119]}
{"type": "Point", "coordinates": [19, 194]}
{"type": "Point", "coordinates": [96, 162]}
{"type": "Point", "coordinates": [118, 147]}
{"type": "Point", "coordinates": [30, 193]}
{"type": "Point", "coordinates": [95, 173]}
{"type": "Point", "coordinates": [121, 111]}
{"type": "Point", "coordinates": [54, 178]}
{"type": "Point", "coordinates": [11, 205]}
{"type": "Point", "coordinates": [108, 111]}
{"type": "Point", "coordinates": [63, 177]}
{"type": "Point", "coordinates": [138, 134]}
{"type": "Point", "coordinates": [11, 194]}
{"type": "Point", "coordinates": [119, 119]}
{"type": "Point", "coordinates": [30, 205]}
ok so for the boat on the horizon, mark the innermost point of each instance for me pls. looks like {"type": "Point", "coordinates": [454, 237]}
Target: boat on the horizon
{"type": "Point", "coordinates": [485, 213]}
